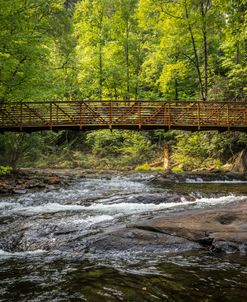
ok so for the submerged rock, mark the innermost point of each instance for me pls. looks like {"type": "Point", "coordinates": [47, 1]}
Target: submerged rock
{"type": "Point", "coordinates": [138, 240]}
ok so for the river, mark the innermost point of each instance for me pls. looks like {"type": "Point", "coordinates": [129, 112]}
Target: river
{"type": "Point", "coordinates": [49, 247]}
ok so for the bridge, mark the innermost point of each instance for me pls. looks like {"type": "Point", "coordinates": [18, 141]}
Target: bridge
{"type": "Point", "coordinates": [136, 115]}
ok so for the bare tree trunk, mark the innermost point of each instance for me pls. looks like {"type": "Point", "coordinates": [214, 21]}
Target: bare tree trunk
{"type": "Point", "coordinates": [166, 162]}
{"type": "Point", "coordinates": [127, 61]}
{"type": "Point", "coordinates": [205, 45]}
{"type": "Point", "coordinates": [101, 59]}
{"type": "Point", "coordinates": [138, 70]}
{"type": "Point", "coordinates": [100, 73]}
{"type": "Point", "coordinates": [196, 58]}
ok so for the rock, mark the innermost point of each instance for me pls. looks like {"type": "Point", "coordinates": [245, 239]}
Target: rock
{"type": "Point", "coordinates": [4, 190]}
{"type": "Point", "coordinates": [153, 198]}
{"type": "Point", "coordinates": [171, 177]}
{"type": "Point", "coordinates": [19, 191]}
{"type": "Point", "coordinates": [54, 180]}
{"type": "Point", "coordinates": [219, 229]}
{"type": "Point", "coordinates": [136, 240]}
{"type": "Point", "coordinates": [5, 187]}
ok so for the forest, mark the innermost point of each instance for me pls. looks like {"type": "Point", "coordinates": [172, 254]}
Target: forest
{"type": "Point", "coordinates": [122, 50]}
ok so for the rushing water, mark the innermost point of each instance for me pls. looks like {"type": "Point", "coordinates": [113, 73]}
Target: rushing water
{"type": "Point", "coordinates": [46, 240]}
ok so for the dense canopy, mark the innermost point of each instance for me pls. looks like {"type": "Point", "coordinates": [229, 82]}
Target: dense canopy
{"type": "Point", "coordinates": [123, 49]}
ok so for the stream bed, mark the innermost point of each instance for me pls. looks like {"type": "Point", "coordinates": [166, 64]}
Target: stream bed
{"type": "Point", "coordinates": [50, 251]}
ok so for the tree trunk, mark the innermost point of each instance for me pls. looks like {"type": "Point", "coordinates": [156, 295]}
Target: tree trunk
{"type": "Point", "coordinates": [127, 61]}
{"type": "Point", "coordinates": [196, 58]}
{"type": "Point", "coordinates": [166, 157]}
{"type": "Point", "coordinates": [205, 48]}
{"type": "Point", "coordinates": [101, 60]}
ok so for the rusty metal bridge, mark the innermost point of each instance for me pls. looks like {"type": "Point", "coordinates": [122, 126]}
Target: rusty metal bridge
{"type": "Point", "coordinates": [136, 115]}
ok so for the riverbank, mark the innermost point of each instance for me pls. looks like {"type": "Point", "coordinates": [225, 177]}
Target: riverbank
{"type": "Point", "coordinates": [26, 180]}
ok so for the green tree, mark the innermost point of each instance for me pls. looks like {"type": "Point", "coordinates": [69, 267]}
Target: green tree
{"type": "Point", "coordinates": [186, 28]}
{"type": "Point", "coordinates": [31, 37]}
{"type": "Point", "coordinates": [234, 59]}
{"type": "Point", "coordinates": [92, 21]}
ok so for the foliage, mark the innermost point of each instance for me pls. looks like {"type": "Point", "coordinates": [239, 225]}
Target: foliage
{"type": "Point", "coordinates": [120, 147]}
{"type": "Point", "coordinates": [121, 49]}
{"type": "Point", "coordinates": [34, 49]}
{"type": "Point", "coordinates": [25, 148]}
{"type": "Point", "coordinates": [205, 149]}
{"type": "Point", "coordinates": [5, 170]}
{"type": "Point", "coordinates": [144, 167]}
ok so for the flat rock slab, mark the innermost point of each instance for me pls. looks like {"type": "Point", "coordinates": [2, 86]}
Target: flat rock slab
{"type": "Point", "coordinates": [145, 241]}
{"type": "Point", "coordinates": [219, 230]}
{"type": "Point", "coordinates": [223, 229]}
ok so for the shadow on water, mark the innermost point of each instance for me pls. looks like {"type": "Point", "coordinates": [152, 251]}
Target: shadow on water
{"type": "Point", "coordinates": [181, 278]}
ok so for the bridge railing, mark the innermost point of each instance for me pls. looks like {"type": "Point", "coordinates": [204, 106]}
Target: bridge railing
{"type": "Point", "coordinates": [123, 114]}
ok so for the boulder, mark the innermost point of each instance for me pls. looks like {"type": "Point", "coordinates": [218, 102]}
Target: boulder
{"type": "Point", "coordinates": [138, 240]}
{"type": "Point", "coordinates": [218, 229]}
{"type": "Point", "coordinates": [54, 180]}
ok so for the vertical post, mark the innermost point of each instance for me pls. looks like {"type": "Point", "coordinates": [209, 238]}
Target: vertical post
{"type": "Point", "coordinates": [198, 117]}
{"type": "Point", "coordinates": [228, 117]}
{"type": "Point", "coordinates": [169, 116]}
{"type": "Point", "coordinates": [218, 117]}
{"type": "Point", "coordinates": [110, 116]}
{"type": "Point", "coordinates": [164, 115]}
{"type": "Point", "coordinates": [139, 115]}
{"type": "Point", "coordinates": [50, 115]}
{"type": "Point", "coordinates": [30, 116]}
{"type": "Point", "coordinates": [245, 115]}
{"type": "Point", "coordinates": [21, 117]}
{"type": "Point", "coordinates": [81, 120]}
{"type": "Point", "coordinates": [57, 115]}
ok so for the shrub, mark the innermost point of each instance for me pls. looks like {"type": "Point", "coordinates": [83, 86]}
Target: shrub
{"type": "Point", "coordinates": [144, 167]}
{"type": "Point", "coordinates": [5, 170]}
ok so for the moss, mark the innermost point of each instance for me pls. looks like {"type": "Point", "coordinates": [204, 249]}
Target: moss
{"type": "Point", "coordinates": [144, 167]}
{"type": "Point", "coordinates": [177, 169]}
{"type": "Point", "coordinates": [158, 169]}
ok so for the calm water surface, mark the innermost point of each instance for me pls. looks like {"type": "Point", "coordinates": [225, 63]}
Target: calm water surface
{"type": "Point", "coordinates": [44, 239]}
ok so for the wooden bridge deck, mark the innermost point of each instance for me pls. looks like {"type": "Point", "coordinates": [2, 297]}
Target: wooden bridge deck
{"type": "Point", "coordinates": [136, 115]}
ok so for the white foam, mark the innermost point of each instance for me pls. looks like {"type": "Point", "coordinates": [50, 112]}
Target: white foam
{"type": "Point", "coordinates": [129, 208]}
{"type": "Point", "coordinates": [5, 204]}
{"type": "Point", "coordinates": [48, 208]}
{"type": "Point", "coordinates": [91, 220]}
{"type": "Point", "coordinates": [4, 254]}
{"type": "Point", "coordinates": [220, 200]}
{"type": "Point", "coordinates": [112, 209]}
{"type": "Point", "coordinates": [197, 180]}
{"type": "Point", "coordinates": [120, 207]}
{"type": "Point", "coordinates": [200, 180]}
